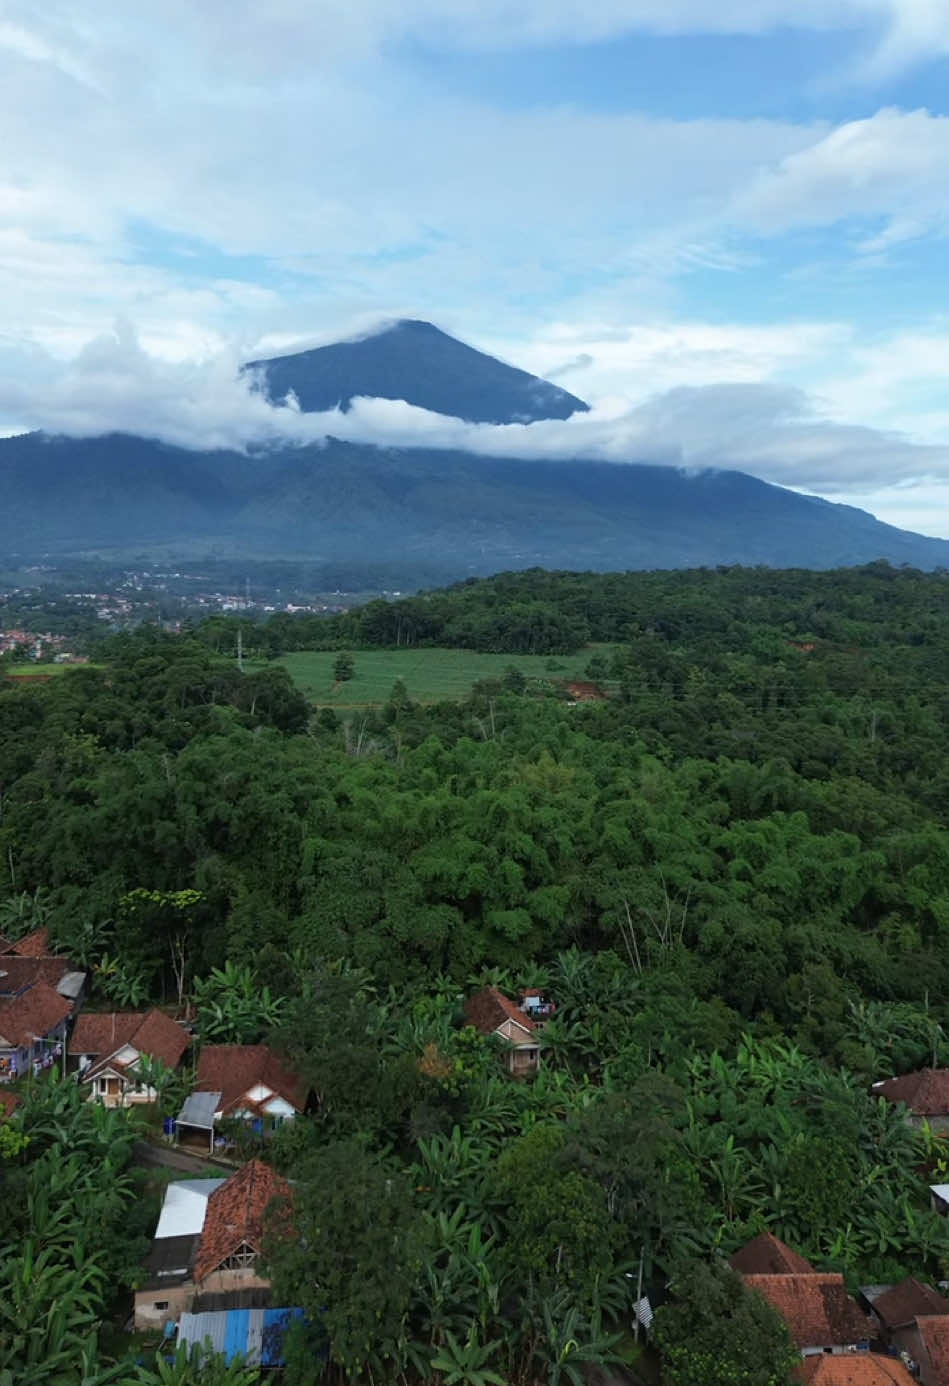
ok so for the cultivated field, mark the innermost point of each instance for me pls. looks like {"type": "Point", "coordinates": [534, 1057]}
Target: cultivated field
{"type": "Point", "coordinates": [429, 674]}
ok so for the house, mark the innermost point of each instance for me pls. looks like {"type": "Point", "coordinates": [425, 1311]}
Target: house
{"type": "Point", "coordinates": [768, 1255]}
{"type": "Point", "coordinates": [908, 1314]}
{"type": "Point", "coordinates": [243, 1081]}
{"type": "Point", "coordinates": [32, 1029]}
{"type": "Point", "coordinates": [39, 994]}
{"type": "Point", "coordinates": [106, 1050]}
{"type": "Point", "coordinates": [898, 1307]}
{"type": "Point", "coordinates": [932, 1358]}
{"type": "Point", "coordinates": [820, 1314]}
{"type": "Point", "coordinates": [493, 1013]}
{"type": "Point", "coordinates": [925, 1094]}
{"type": "Point", "coordinates": [207, 1245]}
{"type": "Point", "coordinates": [861, 1369]}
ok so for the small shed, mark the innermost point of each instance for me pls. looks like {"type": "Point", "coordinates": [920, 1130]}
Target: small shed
{"type": "Point", "coordinates": [198, 1113]}
{"type": "Point", "coordinates": [255, 1334]}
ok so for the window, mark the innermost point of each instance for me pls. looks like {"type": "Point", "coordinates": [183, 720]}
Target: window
{"type": "Point", "coordinates": [103, 1086]}
{"type": "Point", "coordinates": [160, 1304]}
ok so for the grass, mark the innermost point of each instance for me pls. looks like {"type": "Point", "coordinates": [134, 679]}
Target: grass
{"type": "Point", "coordinates": [430, 675]}
{"type": "Point", "coordinates": [38, 670]}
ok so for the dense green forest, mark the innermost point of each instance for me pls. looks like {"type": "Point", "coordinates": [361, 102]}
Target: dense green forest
{"type": "Point", "coordinates": [732, 877]}
{"type": "Point", "coordinates": [539, 612]}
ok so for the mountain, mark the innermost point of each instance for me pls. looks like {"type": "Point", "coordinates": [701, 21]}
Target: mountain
{"type": "Point", "coordinates": [416, 362]}
{"type": "Point", "coordinates": [446, 512]}
{"type": "Point", "coordinates": [417, 510]}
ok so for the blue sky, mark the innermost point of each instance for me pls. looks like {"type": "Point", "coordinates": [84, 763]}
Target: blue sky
{"type": "Point", "coordinates": [724, 225]}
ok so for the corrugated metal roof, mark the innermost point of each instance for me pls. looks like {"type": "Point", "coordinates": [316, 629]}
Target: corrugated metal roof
{"type": "Point", "coordinates": [255, 1334]}
{"type": "Point", "coordinates": [199, 1328]}
{"type": "Point", "coordinates": [184, 1207]}
{"type": "Point", "coordinates": [199, 1110]}
{"type": "Point", "coordinates": [71, 984]}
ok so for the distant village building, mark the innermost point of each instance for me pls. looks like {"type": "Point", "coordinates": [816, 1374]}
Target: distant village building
{"type": "Point", "coordinates": [39, 994]}
{"type": "Point", "coordinates": [820, 1314]}
{"type": "Point", "coordinates": [493, 1013]}
{"type": "Point", "coordinates": [924, 1093]}
{"type": "Point", "coordinates": [247, 1082]}
{"type": "Point", "coordinates": [106, 1051]}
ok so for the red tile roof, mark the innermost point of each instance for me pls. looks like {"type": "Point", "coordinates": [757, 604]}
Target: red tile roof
{"type": "Point", "coordinates": [150, 1032]}
{"type": "Point", "coordinates": [9, 1101]}
{"type": "Point", "coordinates": [906, 1301]}
{"type": "Point", "coordinates": [34, 945]}
{"type": "Point", "coordinates": [32, 1016]}
{"type": "Point", "coordinates": [816, 1308]}
{"type": "Point", "coordinates": [934, 1336]}
{"type": "Point", "coordinates": [925, 1093]}
{"type": "Point", "coordinates": [854, 1369]}
{"type": "Point", "coordinates": [767, 1255]}
{"type": "Point", "coordinates": [235, 1215]}
{"type": "Point", "coordinates": [233, 1069]}
{"type": "Point", "coordinates": [18, 972]}
{"type": "Point", "coordinates": [488, 1010]}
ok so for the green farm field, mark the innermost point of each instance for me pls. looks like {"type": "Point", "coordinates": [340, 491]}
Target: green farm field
{"type": "Point", "coordinates": [430, 675]}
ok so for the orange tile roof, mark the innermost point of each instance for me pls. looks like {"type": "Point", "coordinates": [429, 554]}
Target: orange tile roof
{"type": "Point", "coordinates": [816, 1308]}
{"type": "Point", "coordinates": [488, 1010]}
{"type": "Point", "coordinates": [150, 1032]}
{"type": "Point", "coordinates": [926, 1093]}
{"type": "Point", "coordinates": [235, 1215]}
{"type": "Point", "coordinates": [32, 1016]}
{"type": "Point", "coordinates": [854, 1369]}
{"type": "Point", "coordinates": [234, 1069]}
{"type": "Point", "coordinates": [934, 1336]}
{"type": "Point", "coordinates": [768, 1255]}
{"type": "Point", "coordinates": [17, 972]}
{"type": "Point", "coordinates": [33, 945]}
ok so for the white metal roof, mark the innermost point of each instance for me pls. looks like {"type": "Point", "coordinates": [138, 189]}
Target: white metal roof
{"type": "Point", "coordinates": [186, 1202]}
{"type": "Point", "coordinates": [941, 1191]}
{"type": "Point", "coordinates": [199, 1110]}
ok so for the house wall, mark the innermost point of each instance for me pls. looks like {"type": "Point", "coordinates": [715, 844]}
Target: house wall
{"type": "Point", "coordinates": [908, 1340]}
{"type": "Point", "coordinates": [229, 1281]}
{"type": "Point", "coordinates": [177, 1300]}
{"type": "Point", "coordinates": [119, 1092]}
{"type": "Point", "coordinates": [524, 1061]}
{"type": "Point", "coordinates": [14, 1062]}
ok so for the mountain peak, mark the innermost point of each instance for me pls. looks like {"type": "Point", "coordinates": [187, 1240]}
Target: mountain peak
{"type": "Point", "coordinates": [415, 361]}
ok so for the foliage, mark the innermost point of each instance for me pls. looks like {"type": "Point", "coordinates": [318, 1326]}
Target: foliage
{"type": "Point", "coordinates": [731, 878]}
{"type": "Point", "coordinates": [722, 1334]}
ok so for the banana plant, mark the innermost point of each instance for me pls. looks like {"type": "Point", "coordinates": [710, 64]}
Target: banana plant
{"type": "Point", "coordinates": [467, 1363]}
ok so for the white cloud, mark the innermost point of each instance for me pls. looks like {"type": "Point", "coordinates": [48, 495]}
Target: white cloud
{"type": "Point", "coordinates": [890, 166]}
{"type": "Point", "coordinates": [771, 430]}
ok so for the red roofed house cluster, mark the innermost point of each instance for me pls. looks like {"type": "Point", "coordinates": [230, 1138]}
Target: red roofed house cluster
{"type": "Point", "coordinates": [908, 1328]}
{"type": "Point", "coordinates": [39, 994]}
